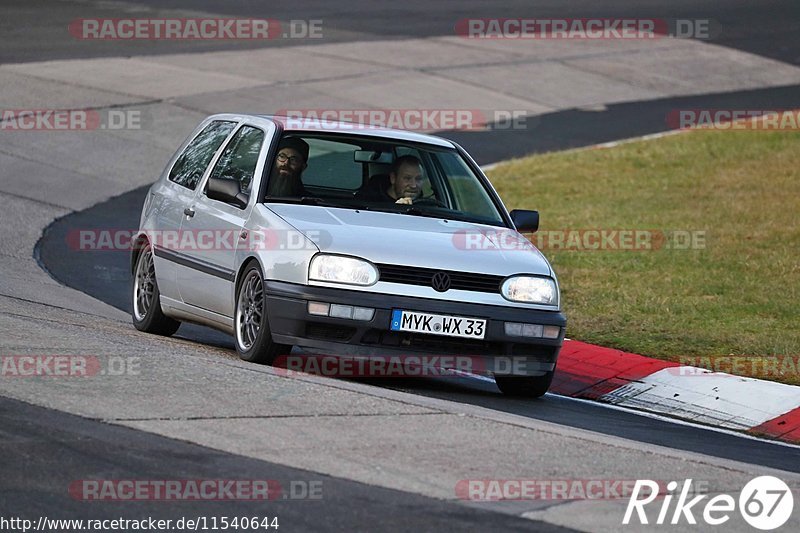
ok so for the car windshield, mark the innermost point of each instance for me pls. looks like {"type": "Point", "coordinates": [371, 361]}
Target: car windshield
{"type": "Point", "coordinates": [378, 175]}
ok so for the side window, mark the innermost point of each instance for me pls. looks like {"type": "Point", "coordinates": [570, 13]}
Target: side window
{"type": "Point", "coordinates": [469, 194]}
{"type": "Point", "coordinates": [238, 160]}
{"type": "Point", "coordinates": [330, 164]}
{"type": "Point", "coordinates": [192, 163]}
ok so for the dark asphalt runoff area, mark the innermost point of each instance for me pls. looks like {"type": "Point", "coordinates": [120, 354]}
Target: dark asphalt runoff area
{"type": "Point", "coordinates": [33, 30]}
{"type": "Point", "coordinates": [45, 455]}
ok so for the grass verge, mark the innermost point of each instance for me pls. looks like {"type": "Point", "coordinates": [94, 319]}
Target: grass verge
{"type": "Point", "coordinates": [719, 285]}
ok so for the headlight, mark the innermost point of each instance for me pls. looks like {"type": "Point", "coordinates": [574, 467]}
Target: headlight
{"type": "Point", "coordinates": [341, 269]}
{"type": "Point", "coordinates": [529, 289]}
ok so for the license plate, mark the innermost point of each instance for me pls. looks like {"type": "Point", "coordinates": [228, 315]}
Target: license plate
{"type": "Point", "coordinates": [452, 326]}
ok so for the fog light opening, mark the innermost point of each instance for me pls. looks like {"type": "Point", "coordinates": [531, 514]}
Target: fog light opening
{"type": "Point", "coordinates": [363, 313]}
{"type": "Point", "coordinates": [348, 312]}
{"type": "Point", "coordinates": [536, 331]}
{"type": "Point", "coordinates": [318, 308]}
{"type": "Point", "coordinates": [551, 332]}
{"type": "Point", "coordinates": [341, 311]}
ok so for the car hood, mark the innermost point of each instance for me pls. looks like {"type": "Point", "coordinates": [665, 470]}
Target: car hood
{"type": "Point", "coordinates": [415, 240]}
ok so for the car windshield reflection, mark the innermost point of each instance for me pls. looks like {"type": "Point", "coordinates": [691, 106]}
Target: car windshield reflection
{"type": "Point", "coordinates": [378, 175]}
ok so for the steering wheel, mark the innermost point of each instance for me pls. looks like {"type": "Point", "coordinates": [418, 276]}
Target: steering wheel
{"type": "Point", "coordinates": [430, 200]}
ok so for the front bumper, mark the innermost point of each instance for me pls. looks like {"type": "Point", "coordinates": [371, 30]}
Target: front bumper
{"type": "Point", "coordinates": [498, 353]}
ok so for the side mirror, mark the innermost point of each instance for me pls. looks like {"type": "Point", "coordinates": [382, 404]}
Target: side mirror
{"type": "Point", "coordinates": [525, 220]}
{"type": "Point", "coordinates": [226, 191]}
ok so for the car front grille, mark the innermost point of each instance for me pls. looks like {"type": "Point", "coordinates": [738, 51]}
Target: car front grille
{"type": "Point", "coordinates": [439, 344]}
{"type": "Point", "coordinates": [465, 281]}
{"type": "Point", "coordinates": [332, 332]}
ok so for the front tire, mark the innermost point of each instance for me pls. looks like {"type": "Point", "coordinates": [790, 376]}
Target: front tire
{"type": "Point", "coordinates": [525, 386]}
{"type": "Point", "coordinates": [253, 337]}
{"type": "Point", "coordinates": [146, 298]}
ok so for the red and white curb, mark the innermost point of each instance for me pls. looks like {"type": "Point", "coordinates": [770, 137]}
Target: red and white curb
{"type": "Point", "coordinates": [714, 398]}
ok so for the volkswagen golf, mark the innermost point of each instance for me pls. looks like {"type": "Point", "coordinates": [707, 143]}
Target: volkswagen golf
{"type": "Point", "coordinates": [344, 239]}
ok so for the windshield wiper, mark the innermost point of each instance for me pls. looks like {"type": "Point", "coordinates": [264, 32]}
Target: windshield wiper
{"type": "Point", "coordinates": [307, 200]}
{"type": "Point", "coordinates": [436, 212]}
{"type": "Point", "coordinates": [416, 211]}
{"type": "Point", "coordinates": [313, 200]}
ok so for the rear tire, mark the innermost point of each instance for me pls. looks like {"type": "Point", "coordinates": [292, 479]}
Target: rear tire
{"type": "Point", "coordinates": [146, 298]}
{"type": "Point", "coordinates": [525, 386]}
{"type": "Point", "coordinates": [251, 329]}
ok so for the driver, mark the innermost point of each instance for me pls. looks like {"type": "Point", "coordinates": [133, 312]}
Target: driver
{"type": "Point", "coordinates": [405, 182]}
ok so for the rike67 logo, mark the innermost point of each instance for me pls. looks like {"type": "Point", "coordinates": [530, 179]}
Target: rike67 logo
{"type": "Point", "coordinates": [765, 503]}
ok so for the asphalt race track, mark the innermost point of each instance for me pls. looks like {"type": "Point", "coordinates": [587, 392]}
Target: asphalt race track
{"type": "Point", "coordinates": [388, 453]}
{"type": "Point", "coordinates": [111, 284]}
{"type": "Point", "coordinates": [767, 28]}
{"type": "Point", "coordinates": [40, 438]}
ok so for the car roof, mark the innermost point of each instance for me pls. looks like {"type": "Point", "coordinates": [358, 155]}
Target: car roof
{"type": "Point", "coordinates": [311, 125]}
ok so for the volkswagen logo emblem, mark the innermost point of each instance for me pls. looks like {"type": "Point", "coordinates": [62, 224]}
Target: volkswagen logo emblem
{"type": "Point", "coordinates": [440, 282]}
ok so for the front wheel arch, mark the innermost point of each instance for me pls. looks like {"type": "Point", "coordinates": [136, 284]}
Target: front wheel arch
{"type": "Point", "coordinates": [240, 275]}
{"type": "Point", "coordinates": [136, 248]}
{"type": "Point", "coordinates": [262, 348]}
{"type": "Point", "coordinates": [245, 264]}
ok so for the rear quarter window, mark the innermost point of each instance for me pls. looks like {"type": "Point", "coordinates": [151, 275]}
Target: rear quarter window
{"type": "Point", "coordinates": [193, 161]}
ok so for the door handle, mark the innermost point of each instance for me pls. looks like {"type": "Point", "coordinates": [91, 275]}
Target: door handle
{"type": "Point", "coordinates": [189, 212]}
{"type": "Point", "coordinates": [243, 234]}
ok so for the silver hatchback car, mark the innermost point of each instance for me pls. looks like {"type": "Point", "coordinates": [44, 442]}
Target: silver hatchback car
{"type": "Point", "coordinates": [348, 240]}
